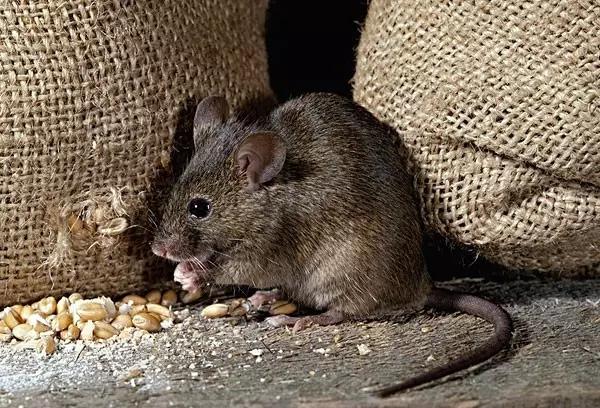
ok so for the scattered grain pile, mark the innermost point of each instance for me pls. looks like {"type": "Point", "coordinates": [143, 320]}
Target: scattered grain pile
{"type": "Point", "coordinates": [42, 325]}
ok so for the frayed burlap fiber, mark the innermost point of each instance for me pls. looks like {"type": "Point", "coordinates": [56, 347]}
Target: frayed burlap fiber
{"type": "Point", "coordinates": [91, 95]}
{"type": "Point", "coordinates": [499, 105]}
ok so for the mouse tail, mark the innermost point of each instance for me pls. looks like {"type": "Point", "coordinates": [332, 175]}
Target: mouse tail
{"type": "Point", "coordinates": [472, 305]}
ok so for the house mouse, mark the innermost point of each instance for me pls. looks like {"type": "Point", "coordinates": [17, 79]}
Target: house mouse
{"type": "Point", "coordinates": [315, 200]}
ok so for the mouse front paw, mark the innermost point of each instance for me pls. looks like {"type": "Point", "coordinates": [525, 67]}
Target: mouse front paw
{"type": "Point", "coordinates": [262, 298]}
{"type": "Point", "coordinates": [189, 275]}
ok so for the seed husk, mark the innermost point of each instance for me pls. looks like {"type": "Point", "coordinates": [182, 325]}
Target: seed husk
{"type": "Point", "coordinates": [74, 297]}
{"type": "Point", "coordinates": [215, 310]}
{"type": "Point", "coordinates": [36, 317]}
{"type": "Point", "coordinates": [154, 296]}
{"type": "Point", "coordinates": [147, 322]}
{"type": "Point", "coordinates": [11, 318]}
{"type": "Point", "coordinates": [190, 297]}
{"type": "Point", "coordinates": [124, 308]}
{"type": "Point", "coordinates": [282, 307]}
{"type": "Point", "coordinates": [122, 321]}
{"type": "Point", "coordinates": [169, 298]}
{"type": "Point", "coordinates": [48, 305]}
{"type": "Point", "coordinates": [134, 300]}
{"type": "Point", "coordinates": [104, 330]}
{"type": "Point", "coordinates": [87, 332]}
{"type": "Point", "coordinates": [17, 308]}
{"type": "Point", "coordinates": [63, 321]}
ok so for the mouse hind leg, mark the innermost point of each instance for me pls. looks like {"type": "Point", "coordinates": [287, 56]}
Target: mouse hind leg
{"type": "Point", "coordinates": [334, 284]}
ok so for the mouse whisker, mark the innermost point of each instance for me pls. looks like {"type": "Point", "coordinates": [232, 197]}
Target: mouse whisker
{"type": "Point", "coordinates": [140, 226]}
{"type": "Point", "coordinates": [216, 265]}
{"type": "Point", "coordinates": [152, 218]}
{"type": "Point", "coordinates": [221, 253]}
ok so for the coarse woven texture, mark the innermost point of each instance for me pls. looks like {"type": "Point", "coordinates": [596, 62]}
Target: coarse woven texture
{"type": "Point", "coordinates": [91, 96]}
{"type": "Point", "coordinates": [498, 103]}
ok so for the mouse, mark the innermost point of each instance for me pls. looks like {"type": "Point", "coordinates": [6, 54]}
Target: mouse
{"type": "Point", "coordinates": [315, 199]}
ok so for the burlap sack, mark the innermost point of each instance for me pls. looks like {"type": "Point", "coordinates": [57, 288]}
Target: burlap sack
{"type": "Point", "coordinates": [498, 102]}
{"type": "Point", "coordinates": [91, 95]}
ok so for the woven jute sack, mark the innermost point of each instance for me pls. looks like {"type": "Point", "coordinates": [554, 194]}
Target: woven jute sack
{"type": "Point", "coordinates": [92, 93]}
{"type": "Point", "coordinates": [498, 104]}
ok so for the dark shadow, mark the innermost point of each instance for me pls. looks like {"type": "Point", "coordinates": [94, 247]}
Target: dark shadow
{"type": "Point", "coordinates": [148, 217]}
{"type": "Point", "coordinates": [182, 148]}
{"type": "Point", "coordinates": [448, 260]}
{"type": "Point", "coordinates": [311, 45]}
{"type": "Point", "coordinates": [255, 110]}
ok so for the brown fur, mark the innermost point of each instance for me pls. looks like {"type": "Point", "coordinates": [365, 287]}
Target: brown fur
{"type": "Point", "coordinates": [337, 228]}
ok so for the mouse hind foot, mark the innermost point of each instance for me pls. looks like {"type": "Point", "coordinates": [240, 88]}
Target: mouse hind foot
{"type": "Point", "coordinates": [327, 318]}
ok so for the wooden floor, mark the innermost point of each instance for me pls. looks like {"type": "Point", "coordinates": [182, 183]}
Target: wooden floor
{"type": "Point", "coordinates": [554, 360]}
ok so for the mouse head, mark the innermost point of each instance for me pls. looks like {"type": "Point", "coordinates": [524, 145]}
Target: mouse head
{"type": "Point", "coordinates": [220, 203]}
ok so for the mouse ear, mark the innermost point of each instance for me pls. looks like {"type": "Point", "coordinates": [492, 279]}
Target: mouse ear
{"type": "Point", "coordinates": [212, 110]}
{"type": "Point", "coordinates": [260, 156]}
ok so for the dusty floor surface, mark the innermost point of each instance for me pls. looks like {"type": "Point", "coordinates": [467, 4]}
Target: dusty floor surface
{"type": "Point", "coordinates": [554, 360]}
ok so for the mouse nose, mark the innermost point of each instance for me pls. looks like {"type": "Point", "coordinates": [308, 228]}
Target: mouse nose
{"type": "Point", "coordinates": [161, 249]}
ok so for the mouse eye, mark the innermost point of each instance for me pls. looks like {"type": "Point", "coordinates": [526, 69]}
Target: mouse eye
{"type": "Point", "coordinates": [199, 208]}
